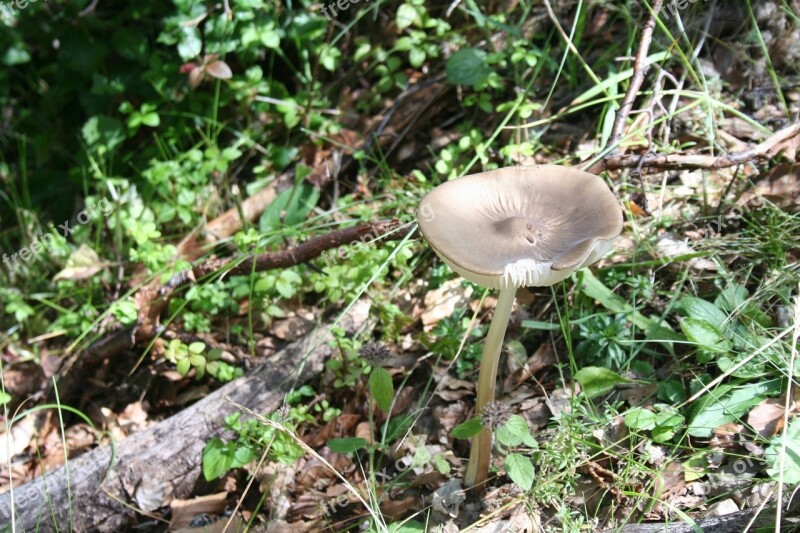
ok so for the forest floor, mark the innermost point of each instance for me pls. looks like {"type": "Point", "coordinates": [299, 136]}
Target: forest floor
{"type": "Point", "coordinates": [216, 303]}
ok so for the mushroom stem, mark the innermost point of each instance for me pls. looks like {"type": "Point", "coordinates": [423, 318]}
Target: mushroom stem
{"type": "Point", "coordinates": [481, 452]}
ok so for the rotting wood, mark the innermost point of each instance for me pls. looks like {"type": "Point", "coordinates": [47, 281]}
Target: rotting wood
{"type": "Point", "coordinates": [163, 461]}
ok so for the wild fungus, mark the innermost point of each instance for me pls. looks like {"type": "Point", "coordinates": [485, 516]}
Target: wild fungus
{"type": "Point", "coordinates": [516, 227]}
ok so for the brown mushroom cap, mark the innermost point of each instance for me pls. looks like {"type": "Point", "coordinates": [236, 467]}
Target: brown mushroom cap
{"type": "Point", "coordinates": [521, 226]}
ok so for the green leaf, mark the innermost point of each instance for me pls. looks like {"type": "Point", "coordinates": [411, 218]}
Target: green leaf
{"type": "Point", "coordinates": [706, 335]}
{"type": "Point", "coordinates": [468, 429]}
{"type": "Point", "coordinates": [291, 207]}
{"type": "Point", "coordinates": [515, 432]}
{"type": "Point", "coordinates": [217, 459]}
{"type": "Point", "coordinates": [347, 445]}
{"type": "Point", "coordinates": [242, 456]}
{"type": "Point", "coordinates": [16, 54]}
{"type": "Point", "coordinates": [441, 464]}
{"type": "Point", "coordinates": [397, 427]}
{"type": "Point", "coordinates": [671, 391]}
{"type": "Point", "coordinates": [421, 457]}
{"type": "Point", "coordinates": [103, 133]}
{"type": "Point", "coordinates": [284, 288]}
{"type": "Point", "coordinates": [407, 526]}
{"type": "Point", "coordinates": [695, 468]}
{"type": "Point", "coordinates": [4, 397]}
{"type": "Point", "coordinates": [183, 367]}
{"type": "Point", "coordinates": [536, 324]}
{"type": "Point", "coordinates": [703, 310]}
{"type": "Point", "coordinates": [197, 347]}
{"type": "Point", "coordinates": [381, 388]}
{"type": "Point", "coordinates": [667, 424]}
{"type": "Point", "coordinates": [596, 381]}
{"type": "Point", "coordinates": [406, 16]}
{"type": "Point", "coordinates": [791, 460]}
{"type": "Point", "coordinates": [468, 66]}
{"type": "Point", "coordinates": [416, 57]}
{"type": "Point", "coordinates": [197, 360]}
{"type": "Point", "coordinates": [641, 419]}
{"type": "Point", "coordinates": [190, 44]}
{"type": "Point", "coordinates": [151, 119]}
{"type": "Point", "coordinates": [727, 404]}
{"type": "Point", "coordinates": [520, 470]}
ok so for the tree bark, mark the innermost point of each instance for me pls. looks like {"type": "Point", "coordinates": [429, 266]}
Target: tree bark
{"type": "Point", "coordinates": [102, 492]}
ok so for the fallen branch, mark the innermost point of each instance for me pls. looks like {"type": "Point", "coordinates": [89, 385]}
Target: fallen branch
{"type": "Point", "coordinates": [153, 298]}
{"type": "Point", "coordinates": [162, 463]}
{"type": "Point", "coordinates": [787, 139]}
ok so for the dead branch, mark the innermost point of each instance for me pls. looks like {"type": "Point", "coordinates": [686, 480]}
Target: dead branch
{"type": "Point", "coordinates": [153, 298]}
{"type": "Point", "coordinates": [787, 139]}
{"type": "Point", "coordinates": [618, 130]}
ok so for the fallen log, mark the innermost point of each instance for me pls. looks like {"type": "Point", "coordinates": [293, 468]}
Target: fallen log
{"type": "Point", "coordinates": [102, 492]}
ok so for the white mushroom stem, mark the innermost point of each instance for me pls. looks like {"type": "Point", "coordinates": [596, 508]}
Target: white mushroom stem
{"type": "Point", "coordinates": [481, 452]}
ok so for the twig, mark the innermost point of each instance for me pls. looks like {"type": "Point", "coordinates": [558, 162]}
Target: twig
{"type": "Point", "coordinates": [153, 300]}
{"type": "Point", "coordinates": [618, 130]}
{"type": "Point", "coordinates": [767, 149]}
{"type": "Point", "coordinates": [387, 229]}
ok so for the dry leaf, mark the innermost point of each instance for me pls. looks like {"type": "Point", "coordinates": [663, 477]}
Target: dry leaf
{"type": "Point", "coordinates": [543, 357]}
{"type": "Point", "coordinates": [184, 511]}
{"type": "Point", "coordinates": [220, 70]}
{"type": "Point", "coordinates": [83, 263]}
{"type": "Point", "coordinates": [442, 302]}
{"type": "Point", "coordinates": [396, 509]}
{"type": "Point", "coordinates": [669, 248]}
{"type": "Point", "coordinates": [17, 439]}
{"type": "Point", "coordinates": [133, 418]}
{"type": "Point", "coordinates": [292, 328]}
{"type": "Point", "coordinates": [725, 435]}
{"type": "Point", "coordinates": [151, 496]}
{"type": "Point", "coordinates": [79, 437]}
{"type": "Point", "coordinates": [637, 394]}
{"type": "Point", "coordinates": [766, 418]}
{"type": "Point", "coordinates": [22, 380]}
{"type": "Point", "coordinates": [364, 431]}
{"type": "Point", "coordinates": [196, 76]}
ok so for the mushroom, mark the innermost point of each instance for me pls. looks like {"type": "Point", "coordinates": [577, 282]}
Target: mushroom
{"type": "Point", "coordinates": [524, 226]}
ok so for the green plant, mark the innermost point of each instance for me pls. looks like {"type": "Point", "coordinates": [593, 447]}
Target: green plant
{"type": "Point", "coordinates": [601, 340]}
{"type": "Point", "coordinates": [194, 356]}
{"type": "Point", "coordinates": [662, 421]}
{"type": "Point", "coordinates": [348, 368]}
{"type": "Point", "coordinates": [513, 440]}
{"type": "Point", "coordinates": [253, 438]}
{"type": "Point", "coordinates": [380, 381]}
{"type": "Point", "coordinates": [445, 339]}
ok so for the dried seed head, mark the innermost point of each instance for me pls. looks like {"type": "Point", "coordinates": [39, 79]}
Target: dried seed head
{"type": "Point", "coordinates": [375, 353]}
{"type": "Point", "coordinates": [495, 415]}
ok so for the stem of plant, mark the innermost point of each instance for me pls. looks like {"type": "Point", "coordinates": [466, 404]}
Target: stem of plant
{"type": "Point", "coordinates": [481, 453]}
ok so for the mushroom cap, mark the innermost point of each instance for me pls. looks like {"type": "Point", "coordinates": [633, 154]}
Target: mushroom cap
{"type": "Point", "coordinates": [521, 226]}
